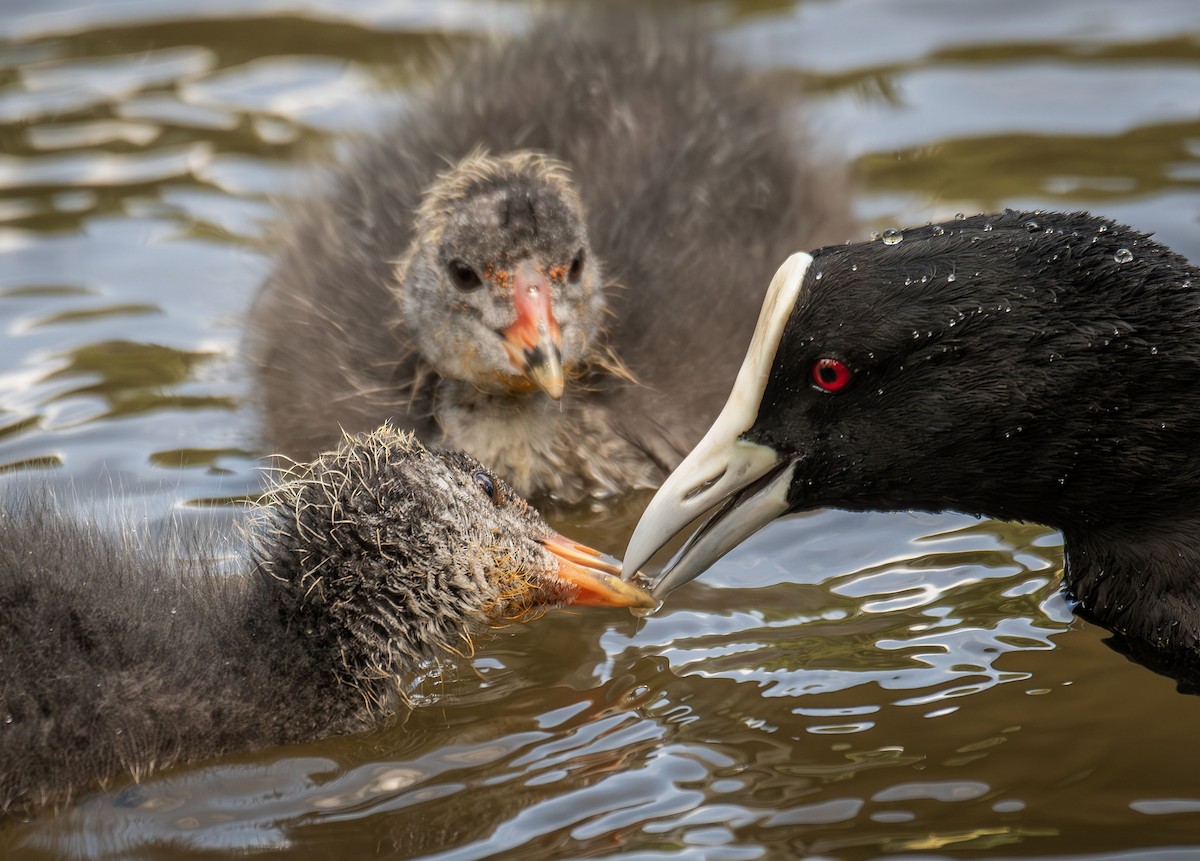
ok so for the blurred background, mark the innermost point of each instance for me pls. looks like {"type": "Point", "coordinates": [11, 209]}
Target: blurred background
{"type": "Point", "coordinates": [842, 686]}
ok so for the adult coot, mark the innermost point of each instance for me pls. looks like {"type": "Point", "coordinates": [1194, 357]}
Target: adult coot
{"type": "Point", "coordinates": [553, 259]}
{"type": "Point", "coordinates": [1034, 366]}
{"type": "Point", "coordinates": [121, 660]}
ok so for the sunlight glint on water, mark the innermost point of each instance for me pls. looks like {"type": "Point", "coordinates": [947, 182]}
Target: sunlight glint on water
{"type": "Point", "coordinates": [843, 685]}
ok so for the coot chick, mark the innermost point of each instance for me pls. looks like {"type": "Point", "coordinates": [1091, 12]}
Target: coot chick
{"type": "Point", "coordinates": [1035, 366]}
{"type": "Point", "coordinates": [516, 265]}
{"type": "Point", "coordinates": [121, 660]}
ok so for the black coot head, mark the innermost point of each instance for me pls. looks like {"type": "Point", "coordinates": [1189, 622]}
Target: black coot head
{"type": "Point", "coordinates": [1035, 366]}
{"type": "Point", "coordinates": [1024, 365]}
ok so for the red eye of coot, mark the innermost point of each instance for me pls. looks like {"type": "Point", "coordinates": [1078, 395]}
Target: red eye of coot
{"type": "Point", "coordinates": [830, 375]}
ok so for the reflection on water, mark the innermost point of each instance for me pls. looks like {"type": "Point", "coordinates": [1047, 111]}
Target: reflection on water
{"type": "Point", "coordinates": [133, 377]}
{"type": "Point", "coordinates": [931, 627]}
{"type": "Point", "coordinates": [843, 685]}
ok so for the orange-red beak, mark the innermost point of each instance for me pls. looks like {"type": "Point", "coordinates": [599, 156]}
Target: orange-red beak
{"type": "Point", "coordinates": [596, 581]}
{"type": "Point", "coordinates": [534, 342]}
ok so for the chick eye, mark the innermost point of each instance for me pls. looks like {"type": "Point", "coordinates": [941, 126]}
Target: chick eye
{"type": "Point", "coordinates": [464, 277]}
{"type": "Point", "coordinates": [488, 485]}
{"type": "Point", "coordinates": [576, 266]}
{"type": "Point", "coordinates": [831, 375]}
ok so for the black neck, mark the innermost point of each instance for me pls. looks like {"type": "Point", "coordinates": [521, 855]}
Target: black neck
{"type": "Point", "coordinates": [1142, 582]}
{"type": "Point", "coordinates": [297, 639]}
{"type": "Point", "coordinates": [357, 684]}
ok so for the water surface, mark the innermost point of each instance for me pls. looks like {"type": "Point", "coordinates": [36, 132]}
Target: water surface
{"type": "Point", "coordinates": [841, 686]}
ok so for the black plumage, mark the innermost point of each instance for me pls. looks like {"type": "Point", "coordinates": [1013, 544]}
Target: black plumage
{"type": "Point", "coordinates": [1035, 366]}
{"type": "Point", "coordinates": [1049, 381]}
{"type": "Point", "coordinates": [122, 657]}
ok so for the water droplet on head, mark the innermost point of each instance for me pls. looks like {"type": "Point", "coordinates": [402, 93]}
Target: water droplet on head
{"type": "Point", "coordinates": [1154, 351]}
{"type": "Point", "coordinates": [1123, 255]}
{"type": "Point", "coordinates": [987, 226]}
{"type": "Point", "coordinates": [819, 275]}
{"type": "Point", "coordinates": [951, 277]}
{"type": "Point", "coordinates": [958, 216]}
{"type": "Point", "coordinates": [1103, 228]}
{"type": "Point", "coordinates": [892, 236]}
{"type": "Point", "coordinates": [938, 230]}
{"type": "Point", "coordinates": [853, 267]}
{"type": "Point", "coordinates": [1032, 226]}
{"type": "Point", "coordinates": [874, 234]}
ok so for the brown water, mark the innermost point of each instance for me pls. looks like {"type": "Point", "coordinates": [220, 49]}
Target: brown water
{"type": "Point", "coordinates": [842, 686]}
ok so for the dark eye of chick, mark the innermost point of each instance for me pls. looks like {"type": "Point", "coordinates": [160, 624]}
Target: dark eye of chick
{"type": "Point", "coordinates": [576, 266]}
{"type": "Point", "coordinates": [464, 277]}
{"type": "Point", "coordinates": [488, 485]}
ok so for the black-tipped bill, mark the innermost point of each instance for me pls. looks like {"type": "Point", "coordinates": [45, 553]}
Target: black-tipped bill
{"type": "Point", "coordinates": [534, 341]}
